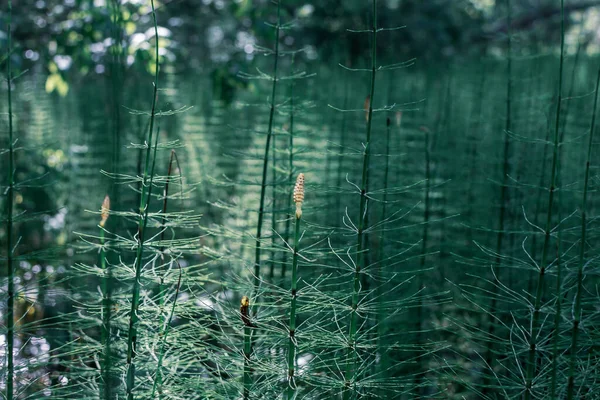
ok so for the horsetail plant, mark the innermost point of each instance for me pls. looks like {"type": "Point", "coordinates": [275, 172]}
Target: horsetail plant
{"type": "Point", "coordinates": [298, 199]}
{"type": "Point", "coordinates": [290, 162]}
{"type": "Point", "coordinates": [167, 320]}
{"type": "Point", "coordinates": [274, 204]}
{"type": "Point", "coordinates": [342, 140]}
{"type": "Point", "coordinates": [145, 196]}
{"type": "Point", "coordinates": [352, 355]}
{"type": "Point", "coordinates": [496, 270]}
{"type": "Point", "coordinates": [535, 328]}
{"type": "Point", "coordinates": [423, 257]}
{"type": "Point", "coordinates": [106, 303]}
{"type": "Point", "coordinates": [381, 254]}
{"type": "Point", "coordinates": [557, 313]}
{"type": "Point", "coordinates": [10, 304]}
{"type": "Point", "coordinates": [247, 373]}
{"type": "Point", "coordinates": [263, 186]}
{"type": "Point", "coordinates": [172, 160]}
{"type": "Point", "coordinates": [116, 83]}
{"type": "Point", "coordinates": [156, 385]}
{"type": "Point", "coordinates": [581, 261]}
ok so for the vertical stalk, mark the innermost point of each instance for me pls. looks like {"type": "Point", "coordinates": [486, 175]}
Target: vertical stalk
{"type": "Point", "coordinates": [476, 127]}
{"type": "Point", "coordinates": [342, 147]}
{"type": "Point", "coordinates": [381, 254]}
{"type": "Point", "coordinates": [106, 314]}
{"type": "Point", "coordinates": [158, 375]}
{"type": "Point", "coordinates": [161, 294]}
{"type": "Point", "coordinates": [298, 199]}
{"type": "Point", "coordinates": [263, 186]}
{"type": "Point", "coordinates": [290, 165]}
{"type": "Point", "coordinates": [557, 314]}
{"type": "Point", "coordinates": [10, 335]}
{"type": "Point", "coordinates": [581, 264]}
{"type": "Point", "coordinates": [489, 359]}
{"type": "Point", "coordinates": [273, 208]}
{"type": "Point", "coordinates": [535, 328]}
{"type": "Point", "coordinates": [142, 222]}
{"type": "Point", "coordinates": [350, 375]}
{"type": "Point", "coordinates": [116, 81]}
{"type": "Point", "coordinates": [424, 240]}
{"type": "Point", "coordinates": [565, 118]}
{"type": "Point", "coordinates": [247, 374]}
{"type": "Point", "coordinates": [538, 202]}
{"type": "Point", "coordinates": [247, 353]}
{"type": "Point", "coordinates": [106, 386]}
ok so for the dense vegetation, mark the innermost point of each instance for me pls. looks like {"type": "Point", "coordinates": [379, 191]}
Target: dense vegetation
{"type": "Point", "coordinates": [368, 219]}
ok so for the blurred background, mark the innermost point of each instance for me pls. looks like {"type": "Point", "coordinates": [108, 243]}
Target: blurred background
{"type": "Point", "coordinates": [72, 37]}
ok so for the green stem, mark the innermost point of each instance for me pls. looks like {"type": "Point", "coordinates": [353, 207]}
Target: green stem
{"type": "Point", "coordinates": [106, 320]}
{"type": "Point", "coordinates": [263, 186]}
{"type": "Point", "coordinates": [565, 118]}
{"type": "Point", "coordinates": [557, 315]}
{"type": "Point", "coordinates": [158, 375]}
{"type": "Point", "coordinates": [290, 166]}
{"type": "Point", "coordinates": [142, 222]}
{"type": "Point", "coordinates": [292, 331]}
{"type": "Point", "coordinates": [9, 224]}
{"type": "Point", "coordinates": [116, 79]}
{"type": "Point", "coordinates": [581, 263]}
{"type": "Point", "coordinates": [350, 375]}
{"type": "Point", "coordinates": [161, 295]}
{"type": "Point", "coordinates": [380, 289]}
{"type": "Point", "coordinates": [489, 357]}
{"type": "Point", "coordinates": [340, 160]}
{"type": "Point", "coordinates": [247, 353]}
{"type": "Point", "coordinates": [273, 208]}
{"type": "Point", "coordinates": [535, 328]}
{"type": "Point", "coordinates": [420, 284]}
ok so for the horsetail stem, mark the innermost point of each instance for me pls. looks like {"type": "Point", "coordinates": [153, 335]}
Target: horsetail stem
{"type": "Point", "coordinates": [535, 328]}
{"type": "Point", "coordinates": [161, 294]}
{"type": "Point", "coordinates": [350, 374]}
{"type": "Point", "coordinates": [106, 302]}
{"type": "Point", "coordinates": [557, 316]}
{"type": "Point", "coordinates": [380, 256]}
{"type": "Point", "coordinates": [273, 208]}
{"type": "Point", "coordinates": [245, 314]}
{"type": "Point", "coordinates": [342, 138]}
{"type": "Point", "coordinates": [158, 374]}
{"type": "Point", "coordinates": [489, 359]}
{"type": "Point", "coordinates": [423, 258]}
{"type": "Point", "coordinates": [581, 264]}
{"type": "Point", "coordinates": [142, 222]}
{"type": "Point", "coordinates": [10, 334]}
{"type": "Point", "coordinates": [298, 198]}
{"type": "Point", "coordinates": [290, 165]}
{"type": "Point", "coordinates": [116, 82]}
{"type": "Point", "coordinates": [263, 185]}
